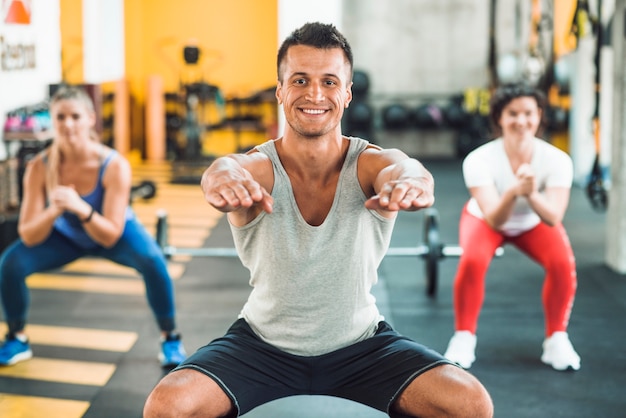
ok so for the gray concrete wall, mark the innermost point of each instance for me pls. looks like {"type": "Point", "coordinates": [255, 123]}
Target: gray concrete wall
{"type": "Point", "coordinates": [418, 51]}
{"type": "Point", "coordinates": [417, 48]}
{"type": "Point", "coordinates": [616, 215]}
{"type": "Point", "coordinates": [422, 48]}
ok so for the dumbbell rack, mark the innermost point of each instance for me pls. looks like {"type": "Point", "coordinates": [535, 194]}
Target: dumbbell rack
{"type": "Point", "coordinates": [11, 173]}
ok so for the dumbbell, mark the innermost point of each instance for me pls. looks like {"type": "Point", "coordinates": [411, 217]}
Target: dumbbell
{"type": "Point", "coordinates": [144, 190]}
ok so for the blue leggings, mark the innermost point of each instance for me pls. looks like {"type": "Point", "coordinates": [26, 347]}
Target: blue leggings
{"type": "Point", "coordinates": [135, 248]}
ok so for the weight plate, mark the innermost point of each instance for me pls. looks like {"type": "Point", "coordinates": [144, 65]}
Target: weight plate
{"type": "Point", "coordinates": [149, 189]}
{"type": "Point", "coordinates": [161, 235]}
{"type": "Point", "coordinates": [433, 243]}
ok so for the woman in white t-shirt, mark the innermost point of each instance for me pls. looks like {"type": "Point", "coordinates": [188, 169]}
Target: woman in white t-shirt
{"type": "Point", "coordinates": [520, 187]}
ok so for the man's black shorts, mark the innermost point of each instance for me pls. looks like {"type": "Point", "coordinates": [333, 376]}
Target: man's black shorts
{"type": "Point", "coordinates": [372, 372]}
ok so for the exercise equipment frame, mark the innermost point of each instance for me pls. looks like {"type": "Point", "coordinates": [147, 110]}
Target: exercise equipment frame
{"type": "Point", "coordinates": [432, 251]}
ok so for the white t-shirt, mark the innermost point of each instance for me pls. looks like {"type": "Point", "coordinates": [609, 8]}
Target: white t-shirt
{"type": "Point", "coordinates": [488, 164]}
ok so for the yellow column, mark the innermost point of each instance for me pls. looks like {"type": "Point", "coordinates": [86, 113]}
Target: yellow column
{"type": "Point", "coordinates": [121, 127]}
{"type": "Point", "coordinates": [155, 119]}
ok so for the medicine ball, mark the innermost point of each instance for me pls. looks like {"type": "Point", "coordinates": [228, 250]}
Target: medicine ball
{"type": "Point", "coordinates": [454, 114]}
{"type": "Point", "coordinates": [358, 120]}
{"type": "Point", "coordinates": [360, 83]}
{"type": "Point", "coordinates": [359, 114]}
{"type": "Point", "coordinates": [428, 116]}
{"type": "Point", "coordinates": [396, 116]}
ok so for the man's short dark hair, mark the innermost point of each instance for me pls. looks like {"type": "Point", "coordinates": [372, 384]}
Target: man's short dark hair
{"type": "Point", "coordinates": [317, 35]}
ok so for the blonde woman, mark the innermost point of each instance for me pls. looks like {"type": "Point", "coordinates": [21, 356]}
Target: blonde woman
{"type": "Point", "coordinates": [75, 204]}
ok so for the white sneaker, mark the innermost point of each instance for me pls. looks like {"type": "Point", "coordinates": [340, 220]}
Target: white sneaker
{"type": "Point", "coordinates": [461, 349]}
{"type": "Point", "coordinates": [559, 353]}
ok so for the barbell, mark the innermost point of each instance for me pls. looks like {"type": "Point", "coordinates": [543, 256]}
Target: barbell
{"type": "Point", "coordinates": [432, 251]}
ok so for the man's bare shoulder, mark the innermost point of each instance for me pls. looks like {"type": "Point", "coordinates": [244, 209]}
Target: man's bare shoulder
{"type": "Point", "coordinates": [253, 159]}
{"type": "Point", "coordinates": [376, 154]}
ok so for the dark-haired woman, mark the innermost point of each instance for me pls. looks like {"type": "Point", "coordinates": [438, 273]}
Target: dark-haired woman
{"type": "Point", "coordinates": [520, 187]}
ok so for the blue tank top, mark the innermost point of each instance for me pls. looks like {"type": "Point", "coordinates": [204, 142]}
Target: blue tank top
{"type": "Point", "coordinates": [68, 223]}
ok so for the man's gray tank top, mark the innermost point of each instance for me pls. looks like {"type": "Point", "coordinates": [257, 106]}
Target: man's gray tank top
{"type": "Point", "coordinates": [311, 284]}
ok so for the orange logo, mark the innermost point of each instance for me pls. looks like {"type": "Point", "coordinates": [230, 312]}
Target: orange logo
{"type": "Point", "coordinates": [16, 11]}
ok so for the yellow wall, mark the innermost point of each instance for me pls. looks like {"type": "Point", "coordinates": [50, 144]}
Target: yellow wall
{"type": "Point", "coordinates": [72, 41]}
{"type": "Point", "coordinates": [238, 43]}
{"type": "Point", "coordinates": [564, 43]}
{"type": "Point", "coordinates": [564, 40]}
{"type": "Point", "coordinates": [238, 39]}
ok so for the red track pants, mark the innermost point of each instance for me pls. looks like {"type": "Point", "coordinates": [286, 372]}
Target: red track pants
{"type": "Point", "coordinates": [548, 246]}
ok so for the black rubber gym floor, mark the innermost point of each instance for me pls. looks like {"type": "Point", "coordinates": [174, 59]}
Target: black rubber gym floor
{"type": "Point", "coordinates": [211, 292]}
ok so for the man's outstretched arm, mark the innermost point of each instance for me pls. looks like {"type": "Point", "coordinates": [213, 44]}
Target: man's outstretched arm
{"type": "Point", "coordinates": [402, 184]}
{"type": "Point", "coordinates": [229, 186]}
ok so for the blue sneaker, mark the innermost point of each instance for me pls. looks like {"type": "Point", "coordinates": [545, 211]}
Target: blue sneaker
{"type": "Point", "coordinates": [14, 350]}
{"type": "Point", "coordinates": [172, 351]}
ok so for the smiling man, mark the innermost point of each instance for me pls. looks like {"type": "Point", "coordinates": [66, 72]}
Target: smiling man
{"type": "Point", "coordinates": [311, 215]}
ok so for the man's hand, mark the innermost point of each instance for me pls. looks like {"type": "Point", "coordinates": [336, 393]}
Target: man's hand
{"type": "Point", "coordinates": [231, 189]}
{"type": "Point", "coordinates": [409, 194]}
